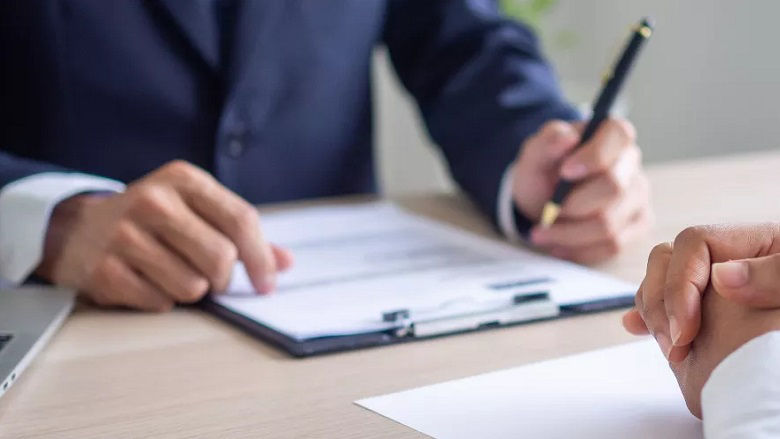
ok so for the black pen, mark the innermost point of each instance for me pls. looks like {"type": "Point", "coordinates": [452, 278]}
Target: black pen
{"type": "Point", "coordinates": [613, 82]}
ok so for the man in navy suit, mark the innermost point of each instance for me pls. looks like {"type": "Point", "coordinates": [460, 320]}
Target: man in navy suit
{"type": "Point", "coordinates": [135, 135]}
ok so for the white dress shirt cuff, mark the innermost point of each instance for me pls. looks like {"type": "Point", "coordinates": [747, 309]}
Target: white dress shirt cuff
{"type": "Point", "coordinates": [506, 217]}
{"type": "Point", "coordinates": [25, 207]}
{"type": "Point", "coordinates": [741, 399]}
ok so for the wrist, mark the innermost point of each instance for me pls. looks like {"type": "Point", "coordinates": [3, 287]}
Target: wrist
{"type": "Point", "coordinates": [61, 222]}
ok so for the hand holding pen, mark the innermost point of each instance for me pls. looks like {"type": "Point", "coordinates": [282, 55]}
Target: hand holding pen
{"type": "Point", "coordinates": [590, 176]}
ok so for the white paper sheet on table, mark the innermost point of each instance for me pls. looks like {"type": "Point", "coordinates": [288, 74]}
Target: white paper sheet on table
{"type": "Point", "coordinates": [354, 262]}
{"type": "Point", "coordinates": [621, 392]}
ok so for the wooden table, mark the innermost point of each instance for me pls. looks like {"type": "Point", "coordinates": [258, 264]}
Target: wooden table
{"type": "Point", "coordinates": [185, 374]}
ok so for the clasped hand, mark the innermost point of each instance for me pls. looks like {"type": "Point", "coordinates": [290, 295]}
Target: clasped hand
{"type": "Point", "coordinates": [706, 294]}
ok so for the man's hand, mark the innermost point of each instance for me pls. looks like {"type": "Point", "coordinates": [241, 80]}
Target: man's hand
{"type": "Point", "coordinates": [742, 263]}
{"type": "Point", "coordinates": [725, 326]}
{"type": "Point", "coordinates": [608, 207]}
{"type": "Point", "coordinates": [171, 237]}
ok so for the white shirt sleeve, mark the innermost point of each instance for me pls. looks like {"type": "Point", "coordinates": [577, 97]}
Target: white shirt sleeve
{"type": "Point", "coordinates": [741, 399]}
{"type": "Point", "coordinates": [506, 219]}
{"type": "Point", "coordinates": [25, 207]}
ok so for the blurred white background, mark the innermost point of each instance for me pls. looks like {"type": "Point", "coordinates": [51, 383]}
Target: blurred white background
{"type": "Point", "coordinates": [708, 83]}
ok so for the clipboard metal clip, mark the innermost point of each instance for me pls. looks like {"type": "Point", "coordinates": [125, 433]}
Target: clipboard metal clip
{"type": "Point", "coordinates": [522, 307]}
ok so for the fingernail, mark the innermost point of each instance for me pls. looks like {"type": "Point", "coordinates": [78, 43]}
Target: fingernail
{"type": "Point", "coordinates": [573, 171]}
{"type": "Point", "coordinates": [733, 274]}
{"type": "Point", "coordinates": [674, 329]}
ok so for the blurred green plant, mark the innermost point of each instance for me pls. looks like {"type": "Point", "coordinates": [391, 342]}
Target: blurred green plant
{"type": "Point", "coordinates": [532, 13]}
{"type": "Point", "coordinates": [528, 11]}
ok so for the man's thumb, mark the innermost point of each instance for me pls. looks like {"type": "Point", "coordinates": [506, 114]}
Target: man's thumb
{"type": "Point", "coordinates": [753, 282]}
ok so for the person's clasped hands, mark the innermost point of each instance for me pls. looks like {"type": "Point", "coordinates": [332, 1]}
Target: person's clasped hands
{"type": "Point", "coordinates": [707, 294]}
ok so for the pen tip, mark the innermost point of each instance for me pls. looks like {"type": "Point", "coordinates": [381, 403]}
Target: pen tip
{"type": "Point", "coordinates": [648, 22]}
{"type": "Point", "coordinates": [549, 214]}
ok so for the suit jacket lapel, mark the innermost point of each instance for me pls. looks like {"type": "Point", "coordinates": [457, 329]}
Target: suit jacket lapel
{"type": "Point", "coordinates": [195, 19]}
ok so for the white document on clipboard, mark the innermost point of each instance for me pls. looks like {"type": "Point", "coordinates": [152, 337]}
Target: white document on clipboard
{"type": "Point", "coordinates": [356, 265]}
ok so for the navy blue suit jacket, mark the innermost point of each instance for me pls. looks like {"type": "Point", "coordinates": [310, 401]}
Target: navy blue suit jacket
{"type": "Point", "coordinates": [273, 96]}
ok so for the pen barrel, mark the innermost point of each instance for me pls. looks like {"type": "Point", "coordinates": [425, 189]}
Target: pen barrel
{"type": "Point", "coordinates": [601, 109]}
{"type": "Point", "coordinates": [561, 190]}
{"type": "Point", "coordinates": [620, 71]}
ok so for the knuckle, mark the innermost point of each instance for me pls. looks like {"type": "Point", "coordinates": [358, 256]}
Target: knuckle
{"type": "Point", "coordinates": [184, 173]}
{"type": "Point", "coordinates": [226, 252]}
{"type": "Point", "coordinates": [624, 128]}
{"type": "Point", "coordinates": [691, 234]}
{"type": "Point", "coordinates": [194, 289]}
{"type": "Point", "coordinates": [151, 199]}
{"type": "Point", "coordinates": [659, 251]}
{"type": "Point", "coordinates": [554, 127]}
{"type": "Point", "coordinates": [178, 169]}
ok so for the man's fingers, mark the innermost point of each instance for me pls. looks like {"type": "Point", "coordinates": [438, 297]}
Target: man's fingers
{"type": "Point", "coordinates": [603, 149]}
{"type": "Point", "coordinates": [605, 248]}
{"type": "Point", "coordinates": [116, 284]}
{"type": "Point", "coordinates": [231, 215]}
{"type": "Point", "coordinates": [205, 248]}
{"type": "Point", "coordinates": [284, 258]}
{"type": "Point", "coordinates": [600, 226]}
{"type": "Point", "coordinates": [754, 282]}
{"type": "Point", "coordinates": [622, 180]}
{"type": "Point", "coordinates": [163, 268]}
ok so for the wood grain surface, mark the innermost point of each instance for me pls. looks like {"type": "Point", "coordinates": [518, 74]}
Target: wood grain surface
{"type": "Point", "coordinates": [121, 374]}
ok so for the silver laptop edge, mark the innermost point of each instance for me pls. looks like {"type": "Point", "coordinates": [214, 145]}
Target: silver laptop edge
{"type": "Point", "coordinates": [31, 316]}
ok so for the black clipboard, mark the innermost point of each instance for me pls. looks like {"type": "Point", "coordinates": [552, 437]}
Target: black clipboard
{"type": "Point", "coordinates": [334, 344]}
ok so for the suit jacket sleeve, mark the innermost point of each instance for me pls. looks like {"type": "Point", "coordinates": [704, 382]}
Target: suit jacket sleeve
{"type": "Point", "coordinates": [480, 81]}
{"type": "Point", "coordinates": [13, 168]}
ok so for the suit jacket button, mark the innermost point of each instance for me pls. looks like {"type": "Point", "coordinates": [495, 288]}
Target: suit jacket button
{"type": "Point", "coordinates": [235, 148]}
